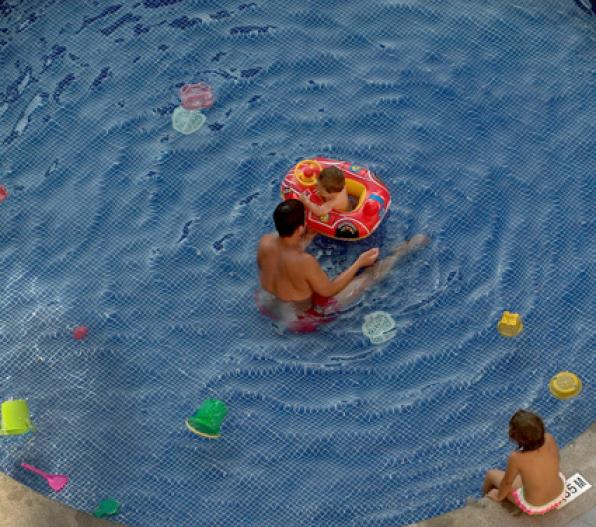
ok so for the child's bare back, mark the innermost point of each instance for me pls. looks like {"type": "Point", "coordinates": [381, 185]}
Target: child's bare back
{"type": "Point", "coordinates": [339, 200]}
{"type": "Point", "coordinates": [539, 471]}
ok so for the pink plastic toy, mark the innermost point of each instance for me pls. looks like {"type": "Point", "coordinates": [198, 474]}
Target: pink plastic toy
{"type": "Point", "coordinates": [80, 333]}
{"type": "Point", "coordinates": [196, 96]}
{"type": "Point", "coordinates": [56, 481]}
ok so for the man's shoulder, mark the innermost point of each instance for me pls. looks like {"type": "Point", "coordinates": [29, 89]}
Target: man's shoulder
{"type": "Point", "coordinates": [305, 258]}
{"type": "Point", "coordinates": [267, 240]}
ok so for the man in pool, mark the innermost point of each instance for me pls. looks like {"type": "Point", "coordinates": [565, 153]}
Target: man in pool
{"type": "Point", "coordinates": [294, 288]}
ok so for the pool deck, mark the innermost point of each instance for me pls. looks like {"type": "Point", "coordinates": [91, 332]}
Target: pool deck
{"type": "Point", "coordinates": [22, 507]}
{"type": "Point", "coordinates": [578, 456]}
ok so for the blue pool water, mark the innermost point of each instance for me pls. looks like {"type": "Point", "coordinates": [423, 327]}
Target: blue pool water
{"type": "Point", "coordinates": [478, 115]}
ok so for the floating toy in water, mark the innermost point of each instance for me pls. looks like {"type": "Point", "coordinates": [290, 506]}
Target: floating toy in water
{"type": "Point", "coordinates": [196, 96]}
{"type": "Point", "coordinates": [379, 327]}
{"type": "Point", "coordinates": [187, 121]}
{"type": "Point", "coordinates": [80, 333]}
{"type": "Point", "coordinates": [107, 507]}
{"type": "Point", "coordinates": [371, 195]}
{"type": "Point", "coordinates": [510, 324]}
{"type": "Point", "coordinates": [565, 385]}
{"type": "Point", "coordinates": [56, 481]}
{"type": "Point", "coordinates": [15, 418]}
{"type": "Point", "coordinates": [3, 193]}
{"type": "Point", "coordinates": [207, 420]}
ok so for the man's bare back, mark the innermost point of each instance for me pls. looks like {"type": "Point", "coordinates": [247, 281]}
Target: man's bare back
{"type": "Point", "coordinates": [289, 274]}
{"type": "Point", "coordinates": [287, 271]}
{"type": "Point", "coordinates": [281, 269]}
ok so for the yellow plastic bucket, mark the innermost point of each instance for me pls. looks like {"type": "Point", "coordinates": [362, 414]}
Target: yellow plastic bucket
{"type": "Point", "coordinates": [565, 385]}
{"type": "Point", "coordinates": [510, 324]}
{"type": "Point", "coordinates": [15, 417]}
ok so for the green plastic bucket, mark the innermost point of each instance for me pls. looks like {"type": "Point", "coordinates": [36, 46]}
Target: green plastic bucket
{"type": "Point", "coordinates": [207, 420]}
{"type": "Point", "coordinates": [15, 418]}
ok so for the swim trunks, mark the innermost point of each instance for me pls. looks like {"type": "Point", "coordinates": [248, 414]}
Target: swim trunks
{"type": "Point", "coordinates": [528, 508]}
{"type": "Point", "coordinates": [298, 317]}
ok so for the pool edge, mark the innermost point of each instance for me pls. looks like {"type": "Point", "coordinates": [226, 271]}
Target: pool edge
{"type": "Point", "coordinates": [577, 456]}
{"type": "Point", "coordinates": [23, 507]}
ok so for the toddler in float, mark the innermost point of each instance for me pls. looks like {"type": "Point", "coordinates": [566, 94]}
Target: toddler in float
{"type": "Point", "coordinates": [331, 187]}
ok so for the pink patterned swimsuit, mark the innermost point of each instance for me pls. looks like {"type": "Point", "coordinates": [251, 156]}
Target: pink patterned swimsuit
{"type": "Point", "coordinates": [528, 508]}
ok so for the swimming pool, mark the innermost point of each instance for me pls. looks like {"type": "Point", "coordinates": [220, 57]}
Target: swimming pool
{"type": "Point", "coordinates": [478, 118]}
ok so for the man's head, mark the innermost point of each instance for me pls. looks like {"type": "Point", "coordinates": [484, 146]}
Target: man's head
{"type": "Point", "coordinates": [288, 217]}
{"type": "Point", "coordinates": [331, 180]}
{"type": "Point", "coordinates": [527, 430]}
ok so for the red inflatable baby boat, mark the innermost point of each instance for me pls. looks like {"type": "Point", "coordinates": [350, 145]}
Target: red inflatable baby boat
{"type": "Point", "coordinates": [371, 197]}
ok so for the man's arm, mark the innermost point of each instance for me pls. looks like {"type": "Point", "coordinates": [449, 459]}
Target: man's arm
{"type": "Point", "coordinates": [319, 281]}
{"type": "Point", "coordinates": [264, 249]}
{"type": "Point", "coordinates": [260, 250]}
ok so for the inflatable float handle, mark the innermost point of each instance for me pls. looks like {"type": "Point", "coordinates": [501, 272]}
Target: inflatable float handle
{"type": "Point", "coordinates": [289, 193]}
{"type": "Point", "coordinates": [306, 172]}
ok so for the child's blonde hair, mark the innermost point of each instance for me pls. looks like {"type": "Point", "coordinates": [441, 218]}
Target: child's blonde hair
{"type": "Point", "coordinates": [332, 179]}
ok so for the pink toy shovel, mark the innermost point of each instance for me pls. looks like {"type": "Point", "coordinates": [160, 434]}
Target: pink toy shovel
{"type": "Point", "coordinates": [56, 481]}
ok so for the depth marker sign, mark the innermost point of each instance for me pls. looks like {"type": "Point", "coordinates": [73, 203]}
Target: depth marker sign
{"type": "Point", "coordinates": [575, 486]}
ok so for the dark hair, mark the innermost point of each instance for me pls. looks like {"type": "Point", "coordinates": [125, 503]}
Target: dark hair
{"type": "Point", "coordinates": [332, 179]}
{"type": "Point", "coordinates": [288, 216]}
{"type": "Point", "coordinates": [527, 429]}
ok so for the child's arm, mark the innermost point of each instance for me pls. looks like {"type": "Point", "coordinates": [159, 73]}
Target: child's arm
{"type": "Point", "coordinates": [317, 210]}
{"type": "Point", "coordinates": [507, 483]}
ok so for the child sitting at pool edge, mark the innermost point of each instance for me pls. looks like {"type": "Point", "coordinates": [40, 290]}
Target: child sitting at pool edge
{"type": "Point", "coordinates": [532, 480]}
{"type": "Point", "coordinates": [331, 187]}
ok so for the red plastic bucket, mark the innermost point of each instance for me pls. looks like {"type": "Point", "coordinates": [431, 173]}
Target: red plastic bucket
{"type": "Point", "coordinates": [196, 96]}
